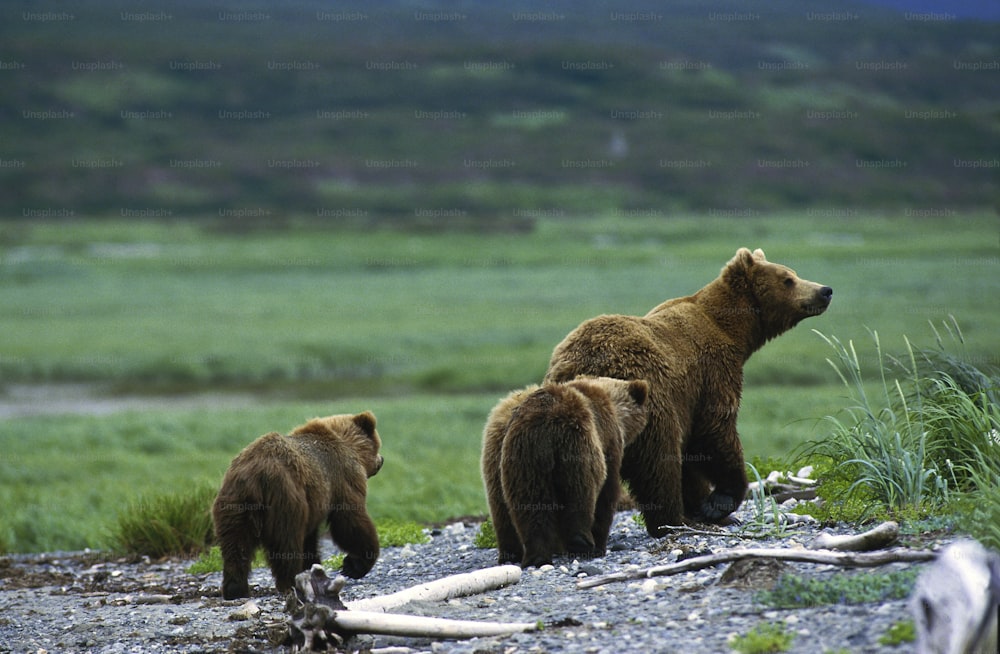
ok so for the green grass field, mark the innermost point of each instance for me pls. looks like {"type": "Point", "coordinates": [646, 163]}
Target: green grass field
{"type": "Point", "coordinates": [426, 330]}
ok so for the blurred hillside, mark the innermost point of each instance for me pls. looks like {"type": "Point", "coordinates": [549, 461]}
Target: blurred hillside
{"type": "Point", "coordinates": [461, 113]}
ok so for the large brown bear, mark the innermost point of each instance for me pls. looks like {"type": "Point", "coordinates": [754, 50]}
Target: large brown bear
{"type": "Point", "coordinates": [279, 490]}
{"type": "Point", "coordinates": [551, 460]}
{"type": "Point", "coordinates": [689, 460]}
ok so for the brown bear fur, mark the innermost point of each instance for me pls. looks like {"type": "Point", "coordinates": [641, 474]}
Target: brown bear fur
{"type": "Point", "coordinates": [551, 456]}
{"type": "Point", "coordinates": [279, 490]}
{"type": "Point", "coordinates": [688, 460]}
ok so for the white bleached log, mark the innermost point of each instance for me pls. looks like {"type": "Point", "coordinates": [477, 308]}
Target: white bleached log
{"type": "Point", "coordinates": [468, 583]}
{"type": "Point", "coordinates": [394, 624]}
{"type": "Point", "coordinates": [874, 539]}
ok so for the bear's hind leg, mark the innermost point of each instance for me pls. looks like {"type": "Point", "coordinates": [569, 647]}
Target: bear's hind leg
{"type": "Point", "coordinates": [509, 549]}
{"type": "Point", "coordinates": [285, 556]}
{"type": "Point", "coordinates": [537, 527]}
{"type": "Point", "coordinates": [653, 474]}
{"type": "Point", "coordinates": [237, 558]}
{"type": "Point", "coordinates": [604, 512]}
{"type": "Point", "coordinates": [237, 536]}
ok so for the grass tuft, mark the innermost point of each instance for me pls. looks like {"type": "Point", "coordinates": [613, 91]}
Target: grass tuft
{"type": "Point", "coordinates": [396, 533]}
{"type": "Point", "coordinates": [919, 443]}
{"type": "Point", "coordinates": [898, 633]}
{"type": "Point", "coordinates": [764, 638]}
{"type": "Point", "coordinates": [177, 524]}
{"type": "Point", "coordinates": [486, 537]}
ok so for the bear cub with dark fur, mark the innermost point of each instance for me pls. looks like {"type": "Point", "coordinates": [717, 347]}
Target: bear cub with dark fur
{"type": "Point", "coordinates": [551, 456]}
{"type": "Point", "coordinates": [279, 490]}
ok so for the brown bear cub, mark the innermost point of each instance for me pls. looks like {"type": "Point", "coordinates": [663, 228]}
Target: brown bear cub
{"type": "Point", "coordinates": [688, 461]}
{"type": "Point", "coordinates": [279, 490]}
{"type": "Point", "coordinates": [551, 456]}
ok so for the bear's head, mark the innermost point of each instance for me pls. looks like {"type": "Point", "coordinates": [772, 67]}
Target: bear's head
{"type": "Point", "coordinates": [627, 397]}
{"type": "Point", "coordinates": [780, 297]}
{"type": "Point", "coordinates": [357, 431]}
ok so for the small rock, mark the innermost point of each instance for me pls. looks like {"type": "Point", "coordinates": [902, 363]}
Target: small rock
{"type": "Point", "coordinates": [245, 612]}
{"type": "Point", "coordinates": [756, 574]}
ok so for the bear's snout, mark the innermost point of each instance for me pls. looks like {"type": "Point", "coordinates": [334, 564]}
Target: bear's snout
{"type": "Point", "coordinates": [820, 300]}
{"type": "Point", "coordinates": [378, 465]}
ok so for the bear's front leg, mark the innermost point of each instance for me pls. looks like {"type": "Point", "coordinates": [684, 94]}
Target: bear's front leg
{"type": "Point", "coordinates": [721, 464]}
{"type": "Point", "coordinates": [355, 533]}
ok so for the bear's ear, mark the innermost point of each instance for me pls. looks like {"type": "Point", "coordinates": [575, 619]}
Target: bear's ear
{"type": "Point", "coordinates": [366, 421]}
{"type": "Point", "coordinates": [758, 254]}
{"type": "Point", "coordinates": [639, 391]}
{"type": "Point", "coordinates": [743, 260]}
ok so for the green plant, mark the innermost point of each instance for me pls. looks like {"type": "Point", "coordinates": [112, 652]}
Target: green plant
{"type": "Point", "coordinates": [980, 508]}
{"type": "Point", "coordinates": [767, 517]}
{"type": "Point", "coordinates": [210, 560]}
{"type": "Point", "coordinates": [335, 562]}
{"type": "Point", "coordinates": [794, 591]}
{"type": "Point", "coordinates": [396, 533]}
{"type": "Point", "coordinates": [899, 633]}
{"type": "Point", "coordinates": [920, 444]}
{"type": "Point", "coordinates": [764, 638]}
{"type": "Point", "coordinates": [884, 442]}
{"type": "Point", "coordinates": [166, 525]}
{"type": "Point", "coordinates": [486, 538]}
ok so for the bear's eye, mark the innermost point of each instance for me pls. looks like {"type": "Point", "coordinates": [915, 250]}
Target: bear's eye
{"type": "Point", "coordinates": [789, 282]}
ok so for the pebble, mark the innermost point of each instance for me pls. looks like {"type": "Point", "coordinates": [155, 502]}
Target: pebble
{"type": "Point", "coordinates": [108, 606]}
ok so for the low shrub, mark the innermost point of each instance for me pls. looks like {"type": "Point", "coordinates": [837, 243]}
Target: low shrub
{"type": "Point", "coordinates": [795, 592]}
{"type": "Point", "coordinates": [924, 441]}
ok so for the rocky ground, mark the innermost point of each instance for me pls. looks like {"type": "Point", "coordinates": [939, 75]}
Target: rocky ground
{"type": "Point", "coordinates": [91, 602]}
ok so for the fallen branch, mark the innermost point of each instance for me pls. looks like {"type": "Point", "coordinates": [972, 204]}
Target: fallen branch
{"type": "Point", "coordinates": [469, 583]}
{"type": "Point", "coordinates": [847, 559]}
{"type": "Point", "coordinates": [874, 539]}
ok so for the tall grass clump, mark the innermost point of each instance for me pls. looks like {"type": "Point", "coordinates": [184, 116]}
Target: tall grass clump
{"type": "Point", "coordinates": [925, 434]}
{"type": "Point", "coordinates": [178, 524]}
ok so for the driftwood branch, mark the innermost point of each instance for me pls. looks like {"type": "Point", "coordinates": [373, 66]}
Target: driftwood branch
{"type": "Point", "coordinates": [874, 539]}
{"type": "Point", "coordinates": [847, 559]}
{"type": "Point", "coordinates": [460, 585]}
{"type": "Point", "coordinates": [320, 618]}
{"type": "Point", "coordinates": [394, 624]}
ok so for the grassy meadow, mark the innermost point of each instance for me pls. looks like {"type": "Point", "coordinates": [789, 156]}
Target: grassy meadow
{"type": "Point", "coordinates": [425, 329]}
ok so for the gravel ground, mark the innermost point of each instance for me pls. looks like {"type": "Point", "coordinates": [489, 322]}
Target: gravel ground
{"type": "Point", "coordinates": [90, 602]}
